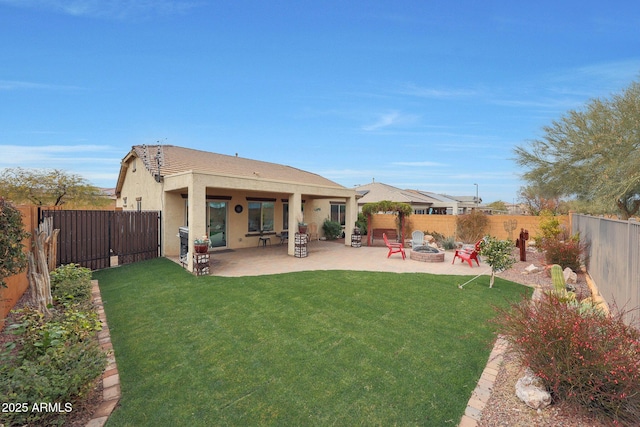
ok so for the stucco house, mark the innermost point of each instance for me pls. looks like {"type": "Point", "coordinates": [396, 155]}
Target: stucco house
{"type": "Point", "coordinates": [232, 200]}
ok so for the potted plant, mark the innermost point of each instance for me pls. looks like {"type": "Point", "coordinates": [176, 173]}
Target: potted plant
{"type": "Point", "coordinates": [201, 246]}
{"type": "Point", "coordinates": [302, 226]}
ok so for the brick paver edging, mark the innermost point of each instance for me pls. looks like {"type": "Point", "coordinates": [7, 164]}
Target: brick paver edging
{"type": "Point", "coordinates": [482, 392]}
{"type": "Point", "coordinates": [110, 377]}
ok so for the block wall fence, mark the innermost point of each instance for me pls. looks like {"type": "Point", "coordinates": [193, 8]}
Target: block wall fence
{"type": "Point", "coordinates": [446, 224]}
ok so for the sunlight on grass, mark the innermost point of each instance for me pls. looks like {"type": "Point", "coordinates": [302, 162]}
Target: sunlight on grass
{"type": "Point", "coordinates": [310, 348]}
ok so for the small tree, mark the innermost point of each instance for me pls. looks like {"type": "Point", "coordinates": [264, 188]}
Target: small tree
{"type": "Point", "coordinates": [12, 257]}
{"type": "Point", "coordinates": [498, 254]}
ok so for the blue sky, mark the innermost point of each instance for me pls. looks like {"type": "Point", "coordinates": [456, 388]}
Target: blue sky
{"type": "Point", "coordinates": [430, 95]}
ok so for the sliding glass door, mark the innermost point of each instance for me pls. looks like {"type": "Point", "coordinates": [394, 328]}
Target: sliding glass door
{"type": "Point", "coordinates": [217, 224]}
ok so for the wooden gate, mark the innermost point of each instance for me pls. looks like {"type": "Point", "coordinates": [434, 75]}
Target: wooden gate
{"type": "Point", "coordinates": [101, 239]}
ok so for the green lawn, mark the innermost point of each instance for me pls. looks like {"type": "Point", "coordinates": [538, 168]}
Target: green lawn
{"type": "Point", "coordinates": [313, 348]}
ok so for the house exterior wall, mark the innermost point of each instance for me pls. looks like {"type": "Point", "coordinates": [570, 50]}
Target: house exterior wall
{"type": "Point", "coordinates": [139, 184]}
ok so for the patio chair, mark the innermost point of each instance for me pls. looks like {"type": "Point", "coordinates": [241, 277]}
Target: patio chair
{"type": "Point", "coordinates": [313, 231]}
{"type": "Point", "coordinates": [394, 248]}
{"type": "Point", "coordinates": [468, 253]}
{"type": "Point", "coordinates": [417, 238]}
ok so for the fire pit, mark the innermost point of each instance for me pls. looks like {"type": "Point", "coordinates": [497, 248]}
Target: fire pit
{"type": "Point", "coordinates": [426, 254]}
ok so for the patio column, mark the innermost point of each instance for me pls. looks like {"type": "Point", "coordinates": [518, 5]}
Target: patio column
{"type": "Point", "coordinates": [196, 217]}
{"type": "Point", "coordinates": [295, 213]}
{"type": "Point", "coordinates": [351, 216]}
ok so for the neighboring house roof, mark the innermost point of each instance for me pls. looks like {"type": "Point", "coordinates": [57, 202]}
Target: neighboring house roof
{"type": "Point", "coordinates": [438, 197]}
{"type": "Point", "coordinates": [174, 160]}
{"type": "Point", "coordinates": [466, 199]}
{"type": "Point", "coordinates": [377, 191]}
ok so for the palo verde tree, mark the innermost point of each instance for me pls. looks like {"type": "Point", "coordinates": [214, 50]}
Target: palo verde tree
{"type": "Point", "coordinates": [592, 154]}
{"type": "Point", "coordinates": [49, 188]}
{"type": "Point", "coordinates": [13, 260]}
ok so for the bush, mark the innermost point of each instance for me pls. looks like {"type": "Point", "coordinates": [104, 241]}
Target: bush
{"type": "Point", "coordinates": [449, 243]}
{"type": "Point", "coordinates": [471, 227]}
{"type": "Point", "coordinates": [549, 228]}
{"type": "Point", "coordinates": [332, 229]}
{"type": "Point", "coordinates": [13, 260]}
{"type": "Point", "coordinates": [61, 375]}
{"type": "Point", "coordinates": [71, 282]}
{"type": "Point", "coordinates": [566, 253]}
{"type": "Point", "coordinates": [54, 358]}
{"type": "Point", "coordinates": [37, 334]}
{"type": "Point", "coordinates": [361, 223]}
{"type": "Point", "coordinates": [583, 356]}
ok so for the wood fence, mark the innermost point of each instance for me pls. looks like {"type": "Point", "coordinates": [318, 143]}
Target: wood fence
{"type": "Point", "coordinates": [101, 239]}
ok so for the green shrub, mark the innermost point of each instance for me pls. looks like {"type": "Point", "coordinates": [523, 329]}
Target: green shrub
{"type": "Point", "coordinates": [53, 358]}
{"type": "Point", "coordinates": [37, 333]}
{"type": "Point", "coordinates": [549, 228]}
{"type": "Point", "coordinates": [71, 282]}
{"type": "Point", "coordinates": [583, 356]}
{"type": "Point", "coordinates": [449, 243]}
{"type": "Point", "coordinates": [13, 260]}
{"type": "Point", "coordinates": [361, 223]}
{"type": "Point", "coordinates": [332, 229]}
{"type": "Point", "coordinates": [61, 375]}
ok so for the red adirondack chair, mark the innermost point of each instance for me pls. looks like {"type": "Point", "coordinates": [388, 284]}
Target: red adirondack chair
{"type": "Point", "coordinates": [468, 254]}
{"type": "Point", "coordinates": [394, 248]}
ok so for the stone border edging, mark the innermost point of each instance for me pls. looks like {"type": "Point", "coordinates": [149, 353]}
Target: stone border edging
{"type": "Point", "coordinates": [110, 378]}
{"type": "Point", "coordinates": [482, 392]}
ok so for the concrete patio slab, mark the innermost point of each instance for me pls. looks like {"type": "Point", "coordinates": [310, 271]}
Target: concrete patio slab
{"type": "Point", "coordinates": [330, 255]}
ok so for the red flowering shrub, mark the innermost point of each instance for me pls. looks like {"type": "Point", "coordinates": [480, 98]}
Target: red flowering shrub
{"type": "Point", "coordinates": [583, 356]}
{"type": "Point", "coordinates": [566, 253]}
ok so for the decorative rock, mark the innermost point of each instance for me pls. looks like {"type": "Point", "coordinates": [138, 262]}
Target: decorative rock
{"type": "Point", "coordinates": [531, 392]}
{"type": "Point", "coordinates": [532, 269]}
{"type": "Point", "coordinates": [569, 276]}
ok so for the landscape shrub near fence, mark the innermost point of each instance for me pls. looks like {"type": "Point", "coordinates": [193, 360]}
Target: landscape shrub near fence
{"type": "Point", "coordinates": [18, 284]}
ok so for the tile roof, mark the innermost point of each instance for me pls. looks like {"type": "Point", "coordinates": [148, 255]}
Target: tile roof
{"type": "Point", "coordinates": [179, 159]}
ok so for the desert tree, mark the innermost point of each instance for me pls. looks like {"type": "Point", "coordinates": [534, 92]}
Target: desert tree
{"type": "Point", "coordinates": [44, 187]}
{"type": "Point", "coordinates": [592, 154]}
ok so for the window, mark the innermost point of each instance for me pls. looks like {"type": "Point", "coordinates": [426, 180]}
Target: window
{"type": "Point", "coordinates": [338, 213]}
{"type": "Point", "coordinates": [139, 203]}
{"type": "Point", "coordinates": [261, 216]}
